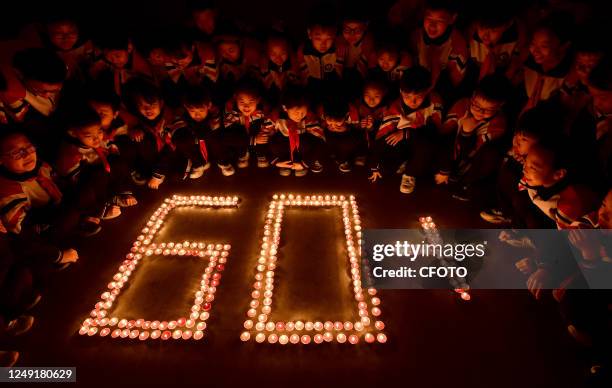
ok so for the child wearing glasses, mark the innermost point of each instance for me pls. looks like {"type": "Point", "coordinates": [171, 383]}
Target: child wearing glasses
{"type": "Point", "coordinates": [29, 199]}
{"type": "Point", "coordinates": [476, 123]}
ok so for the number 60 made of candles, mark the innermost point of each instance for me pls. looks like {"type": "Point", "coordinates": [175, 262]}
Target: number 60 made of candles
{"type": "Point", "coordinates": [192, 325]}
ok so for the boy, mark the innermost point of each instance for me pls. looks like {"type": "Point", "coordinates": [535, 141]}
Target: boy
{"type": "Point", "coordinates": [34, 84]}
{"type": "Point", "coordinates": [320, 59]}
{"type": "Point", "coordinates": [297, 142]}
{"type": "Point", "coordinates": [548, 63]}
{"type": "Point", "coordinates": [204, 19]}
{"type": "Point", "coordinates": [475, 123]}
{"type": "Point", "coordinates": [118, 62]}
{"type": "Point", "coordinates": [528, 132]}
{"type": "Point", "coordinates": [371, 106]}
{"type": "Point", "coordinates": [278, 67]}
{"type": "Point", "coordinates": [92, 171]}
{"type": "Point", "coordinates": [29, 196]}
{"type": "Point", "coordinates": [198, 125]}
{"type": "Point", "coordinates": [498, 45]}
{"type": "Point", "coordinates": [408, 128]}
{"type": "Point", "coordinates": [244, 125]}
{"type": "Point", "coordinates": [358, 43]}
{"type": "Point", "coordinates": [440, 47]}
{"type": "Point", "coordinates": [186, 64]}
{"type": "Point", "coordinates": [344, 139]}
{"type": "Point", "coordinates": [389, 63]}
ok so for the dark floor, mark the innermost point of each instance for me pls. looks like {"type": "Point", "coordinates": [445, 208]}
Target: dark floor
{"type": "Point", "coordinates": [499, 339]}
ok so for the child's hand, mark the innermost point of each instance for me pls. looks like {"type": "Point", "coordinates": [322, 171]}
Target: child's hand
{"type": "Point", "coordinates": [394, 138]}
{"type": "Point", "coordinates": [137, 135]}
{"type": "Point", "coordinates": [374, 176]}
{"type": "Point", "coordinates": [69, 256]}
{"type": "Point", "coordinates": [367, 122]}
{"type": "Point", "coordinates": [261, 138]}
{"type": "Point", "coordinates": [526, 266]}
{"type": "Point", "coordinates": [441, 179]}
{"type": "Point", "coordinates": [589, 247]}
{"type": "Point", "coordinates": [539, 280]}
{"type": "Point", "coordinates": [154, 183]}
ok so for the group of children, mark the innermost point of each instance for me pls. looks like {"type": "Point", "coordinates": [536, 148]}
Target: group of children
{"type": "Point", "coordinates": [508, 111]}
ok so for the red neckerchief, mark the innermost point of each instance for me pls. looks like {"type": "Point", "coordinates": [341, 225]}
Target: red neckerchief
{"type": "Point", "coordinates": [101, 152]}
{"type": "Point", "coordinates": [294, 136]}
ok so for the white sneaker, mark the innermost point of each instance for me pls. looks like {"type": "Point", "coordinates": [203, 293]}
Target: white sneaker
{"type": "Point", "coordinates": [227, 170]}
{"type": "Point", "coordinates": [198, 171]}
{"type": "Point", "coordinates": [262, 162]}
{"type": "Point", "coordinates": [243, 161]}
{"type": "Point", "coordinates": [408, 183]}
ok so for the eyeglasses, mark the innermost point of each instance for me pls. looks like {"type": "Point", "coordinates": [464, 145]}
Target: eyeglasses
{"type": "Point", "coordinates": [21, 153]}
{"type": "Point", "coordinates": [482, 110]}
{"type": "Point", "coordinates": [352, 31]}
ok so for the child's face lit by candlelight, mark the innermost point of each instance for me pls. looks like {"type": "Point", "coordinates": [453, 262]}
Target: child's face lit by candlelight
{"type": "Point", "coordinates": [17, 154]}
{"type": "Point", "coordinates": [63, 35]}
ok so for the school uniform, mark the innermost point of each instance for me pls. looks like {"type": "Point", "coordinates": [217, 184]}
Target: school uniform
{"type": "Point", "coordinates": [303, 141]}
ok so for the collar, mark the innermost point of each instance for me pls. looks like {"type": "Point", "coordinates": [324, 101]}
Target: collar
{"type": "Point", "coordinates": [439, 40]}
{"type": "Point", "coordinates": [546, 193]}
{"type": "Point", "coordinates": [23, 176]}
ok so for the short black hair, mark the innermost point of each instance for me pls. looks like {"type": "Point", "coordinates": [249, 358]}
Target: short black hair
{"type": "Point", "coordinates": [591, 38]}
{"type": "Point", "coordinates": [494, 88]}
{"type": "Point", "coordinates": [294, 96]}
{"type": "Point", "coordinates": [248, 86]}
{"type": "Point", "coordinates": [196, 96]}
{"type": "Point", "coordinates": [113, 40]}
{"type": "Point", "coordinates": [415, 79]}
{"type": "Point", "coordinates": [494, 15]}
{"type": "Point", "coordinates": [557, 149]}
{"type": "Point", "coordinates": [323, 15]}
{"type": "Point", "coordinates": [141, 88]}
{"type": "Point", "coordinates": [82, 116]}
{"type": "Point", "coordinates": [335, 107]}
{"type": "Point", "coordinates": [601, 75]}
{"type": "Point", "coordinates": [9, 133]}
{"type": "Point", "coordinates": [442, 5]}
{"type": "Point", "coordinates": [175, 43]}
{"type": "Point", "coordinates": [104, 95]}
{"type": "Point", "coordinates": [377, 82]}
{"type": "Point", "coordinates": [40, 64]}
{"type": "Point", "coordinates": [560, 24]}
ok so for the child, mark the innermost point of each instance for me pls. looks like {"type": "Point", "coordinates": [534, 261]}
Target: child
{"type": "Point", "coordinates": [389, 63]}
{"type": "Point", "coordinates": [278, 67]}
{"type": "Point", "coordinates": [92, 171]}
{"type": "Point", "coordinates": [528, 132]}
{"type": "Point", "coordinates": [358, 45]}
{"type": "Point", "coordinates": [28, 197]}
{"type": "Point", "coordinates": [320, 59]}
{"type": "Point", "coordinates": [237, 57]}
{"type": "Point", "coordinates": [244, 125]}
{"type": "Point", "coordinates": [476, 123]}
{"type": "Point", "coordinates": [298, 141]}
{"type": "Point", "coordinates": [408, 128]}
{"type": "Point", "coordinates": [204, 19]}
{"type": "Point", "coordinates": [440, 47]}
{"type": "Point", "coordinates": [186, 64]}
{"type": "Point", "coordinates": [198, 125]}
{"type": "Point", "coordinates": [549, 63]}
{"type": "Point", "coordinates": [155, 151]}
{"type": "Point", "coordinates": [62, 34]}
{"type": "Point", "coordinates": [497, 43]}
{"type": "Point", "coordinates": [33, 84]}
{"type": "Point", "coordinates": [118, 62]}
{"type": "Point", "coordinates": [371, 106]}
{"type": "Point", "coordinates": [344, 139]}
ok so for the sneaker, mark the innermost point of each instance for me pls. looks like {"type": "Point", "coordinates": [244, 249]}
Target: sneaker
{"type": "Point", "coordinates": [344, 167]}
{"type": "Point", "coordinates": [462, 193]}
{"type": "Point", "coordinates": [111, 211]}
{"type": "Point", "coordinates": [408, 183]}
{"type": "Point", "coordinates": [262, 162]}
{"type": "Point", "coordinates": [316, 167]}
{"type": "Point", "coordinates": [8, 358]}
{"type": "Point", "coordinates": [227, 169]}
{"type": "Point", "coordinates": [360, 161]}
{"type": "Point", "coordinates": [284, 171]}
{"type": "Point", "coordinates": [494, 216]}
{"type": "Point", "coordinates": [198, 171]}
{"type": "Point", "coordinates": [89, 228]}
{"type": "Point", "coordinates": [299, 172]}
{"type": "Point", "coordinates": [243, 161]}
{"type": "Point", "coordinates": [138, 178]}
{"type": "Point", "coordinates": [20, 325]}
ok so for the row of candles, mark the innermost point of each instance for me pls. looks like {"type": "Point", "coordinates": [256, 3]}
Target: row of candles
{"type": "Point", "coordinates": [260, 307]}
{"type": "Point", "coordinates": [432, 234]}
{"type": "Point", "coordinates": [191, 326]}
